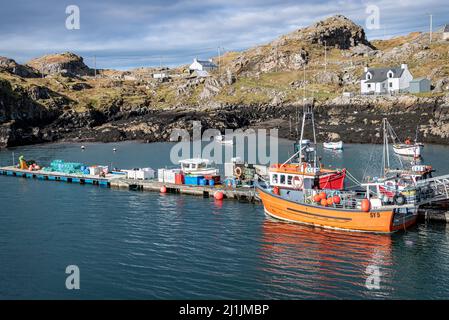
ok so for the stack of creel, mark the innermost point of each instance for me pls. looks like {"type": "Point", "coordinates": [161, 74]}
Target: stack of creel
{"type": "Point", "coordinates": [66, 167]}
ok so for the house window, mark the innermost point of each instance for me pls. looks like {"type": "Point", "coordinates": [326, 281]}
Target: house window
{"type": "Point", "coordinates": [368, 76]}
{"type": "Point", "coordinates": [391, 84]}
{"type": "Point", "coordinates": [369, 86]}
{"type": "Point", "coordinates": [390, 74]}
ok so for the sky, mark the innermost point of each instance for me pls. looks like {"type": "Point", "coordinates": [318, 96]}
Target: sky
{"type": "Point", "coordinates": [138, 33]}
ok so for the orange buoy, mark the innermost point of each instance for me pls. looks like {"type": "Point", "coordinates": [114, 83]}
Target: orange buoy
{"type": "Point", "coordinates": [317, 198]}
{"type": "Point", "coordinates": [276, 190]}
{"type": "Point", "coordinates": [218, 195]}
{"type": "Point", "coordinates": [323, 195]}
{"type": "Point", "coordinates": [163, 189]}
{"type": "Point", "coordinates": [366, 205]}
{"type": "Point", "coordinates": [330, 201]}
{"type": "Point", "coordinates": [324, 202]}
{"type": "Point", "coordinates": [337, 199]}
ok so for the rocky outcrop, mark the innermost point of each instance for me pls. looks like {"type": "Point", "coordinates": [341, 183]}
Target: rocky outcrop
{"type": "Point", "coordinates": [336, 31]}
{"type": "Point", "coordinates": [13, 67]}
{"type": "Point", "coordinates": [20, 114]}
{"type": "Point", "coordinates": [68, 64]}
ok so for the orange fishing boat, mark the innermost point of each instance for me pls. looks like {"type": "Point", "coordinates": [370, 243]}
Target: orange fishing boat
{"type": "Point", "coordinates": [348, 210]}
{"type": "Point", "coordinates": [308, 194]}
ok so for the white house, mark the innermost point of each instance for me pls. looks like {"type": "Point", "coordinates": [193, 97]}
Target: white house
{"type": "Point", "coordinates": [202, 65]}
{"type": "Point", "coordinates": [385, 80]}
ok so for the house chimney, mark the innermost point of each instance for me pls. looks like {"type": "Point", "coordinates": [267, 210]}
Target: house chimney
{"type": "Point", "coordinates": [366, 69]}
{"type": "Point", "coordinates": [404, 66]}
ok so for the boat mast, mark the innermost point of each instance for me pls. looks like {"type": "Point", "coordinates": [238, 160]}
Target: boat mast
{"type": "Point", "coordinates": [386, 152]}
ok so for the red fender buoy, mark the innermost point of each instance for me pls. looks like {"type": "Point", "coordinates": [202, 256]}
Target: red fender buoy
{"type": "Point", "coordinates": [366, 205]}
{"type": "Point", "coordinates": [218, 195]}
{"type": "Point", "coordinates": [337, 199]}
{"type": "Point", "coordinates": [163, 189]}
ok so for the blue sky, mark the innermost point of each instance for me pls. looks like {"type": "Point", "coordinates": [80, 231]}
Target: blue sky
{"type": "Point", "coordinates": [133, 33]}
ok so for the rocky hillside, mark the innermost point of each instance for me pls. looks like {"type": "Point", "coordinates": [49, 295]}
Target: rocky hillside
{"type": "Point", "coordinates": [56, 97]}
{"type": "Point", "coordinates": [67, 63]}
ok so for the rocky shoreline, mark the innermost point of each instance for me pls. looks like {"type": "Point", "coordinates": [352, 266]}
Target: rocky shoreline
{"type": "Point", "coordinates": [356, 120]}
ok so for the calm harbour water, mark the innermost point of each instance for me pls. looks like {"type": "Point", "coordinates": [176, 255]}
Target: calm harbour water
{"type": "Point", "coordinates": [140, 245]}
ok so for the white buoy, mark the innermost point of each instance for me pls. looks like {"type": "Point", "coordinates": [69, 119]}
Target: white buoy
{"type": "Point", "coordinates": [114, 149]}
{"type": "Point", "coordinates": [83, 147]}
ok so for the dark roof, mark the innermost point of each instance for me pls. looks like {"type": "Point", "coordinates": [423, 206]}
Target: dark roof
{"type": "Point", "coordinates": [380, 74]}
{"type": "Point", "coordinates": [207, 64]}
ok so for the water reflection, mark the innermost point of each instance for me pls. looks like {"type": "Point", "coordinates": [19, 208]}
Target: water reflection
{"type": "Point", "coordinates": [313, 261]}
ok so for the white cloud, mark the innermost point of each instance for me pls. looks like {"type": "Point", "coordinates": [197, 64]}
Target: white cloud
{"type": "Point", "coordinates": [127, 33]}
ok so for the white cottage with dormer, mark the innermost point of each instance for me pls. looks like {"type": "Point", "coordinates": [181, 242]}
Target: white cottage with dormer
{"type": "Point", "coordinates": [202, 65]}
{"type": "Point", "coordinates": [385, 80]}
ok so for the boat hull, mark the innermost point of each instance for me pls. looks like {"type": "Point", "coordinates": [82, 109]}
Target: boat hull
{"type": "Point", "coordinates": [377, 221]}
{"type": "Point", "coordinates": [333, 145]}
{"type": "Point", "coordinates": [408, 150]}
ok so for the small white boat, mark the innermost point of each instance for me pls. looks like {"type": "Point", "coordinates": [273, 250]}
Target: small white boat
{"type": "Point", "coordinates": [333, 145]}
{"type": "Point", "coordinates": [198, 166]}
{"type": "Point", "coordinates": [409, 150]}
{"type": "Point", "coordinates": [222, 140]}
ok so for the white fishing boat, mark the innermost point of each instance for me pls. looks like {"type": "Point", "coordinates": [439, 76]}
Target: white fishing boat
{"type": "Point", "coordinates": [333, 145]}
{"type": "Point", "coordinates": [198, 166]}
{"type": "Point", "coordinates": [222, 139]}
{"type": "Point", "coordinates": [408, 150]}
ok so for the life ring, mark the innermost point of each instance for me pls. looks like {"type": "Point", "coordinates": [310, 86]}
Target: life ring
{"type": "Point", "coordinates": [298, 182]}
{"type": "Point", "coordinates": [238, 172]}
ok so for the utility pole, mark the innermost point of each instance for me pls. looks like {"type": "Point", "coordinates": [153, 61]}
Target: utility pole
{"type": "Point", "coordinates": [95, 66]}
{"type": "Point", "coordinates": [160, 63]}
{"type": "Point", "coordinates": [325, 57]}
{"type": "Point", "coordinates": [219, 60]}
{"type": "Point", "coordinates": [276, 58]}
{"type": "Point", "coordinates": [431, 22]}
{"type": "Point", "coordinates": [304, 84]}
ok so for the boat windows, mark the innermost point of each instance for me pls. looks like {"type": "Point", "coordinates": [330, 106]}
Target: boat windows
{"type": "Point", "coordinates": [282, 180]}
{"type": "Point", "coordinates": [274, 179]}
{"type": "Point", "coordinates": [289, 180]}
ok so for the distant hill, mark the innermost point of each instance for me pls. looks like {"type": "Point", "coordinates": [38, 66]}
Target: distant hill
{"type": "Point", "coordinates": [57, 96]}
{"type": "Point", "coordinates": [66, 63]}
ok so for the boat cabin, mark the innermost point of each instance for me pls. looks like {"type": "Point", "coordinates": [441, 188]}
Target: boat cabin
{"type": "Point", "coordinates": [295, 181]}
{"type": "Point", "coordinates": [197, 165]}
{"type": "Point", "coordinates": [194, 164]}
{"type": "Point", "coordinates": [294, 176]}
